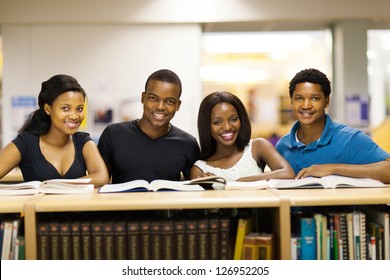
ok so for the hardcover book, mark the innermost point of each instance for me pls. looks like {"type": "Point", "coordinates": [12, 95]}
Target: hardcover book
{"type": "Point", "coordinates": [258, 246]}
{"type": "Point", "coordinates": [167, 240]}
{"type": "Point", "coordinates": [43, 241]}
{"type": "Point", "coordinates": [244, 227]}
{"type": "Point", "coordinates": [86, 240]}
{"type": "Point", "coordinates": [305, 227]}
{"type": "Point", "coordinates": [75, 232]}
{"type": "Point", "coordinates": [214, 238]}
{"type": "Point", "coordinates": [179, 238]}
{"type": "Point", "coordinates": [65, 240]}
{"type": "Point", "coordinates": [120, 243]}
{"type": "Point", "coordinates": [133, 240]}
{"type": "Point", "coordinates": [54, 240]}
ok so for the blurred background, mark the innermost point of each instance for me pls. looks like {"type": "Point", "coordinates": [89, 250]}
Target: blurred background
{"type": "Point", "coordinates": [251, 48]}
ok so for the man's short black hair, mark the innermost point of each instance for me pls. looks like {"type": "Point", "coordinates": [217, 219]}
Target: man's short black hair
{"type": "Point", "coordinates": [311, 75]}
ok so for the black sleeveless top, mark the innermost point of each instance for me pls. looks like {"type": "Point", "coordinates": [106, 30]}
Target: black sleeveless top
{"type": "Point", "coordinates": [34, 165]}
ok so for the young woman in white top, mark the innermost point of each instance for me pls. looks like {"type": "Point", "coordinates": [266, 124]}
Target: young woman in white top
{"type": "Point", "coordinates": [226, 147]}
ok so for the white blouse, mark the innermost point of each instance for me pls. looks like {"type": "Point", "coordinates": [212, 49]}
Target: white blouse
{"type": "Point", "coordinates": [245, 167]}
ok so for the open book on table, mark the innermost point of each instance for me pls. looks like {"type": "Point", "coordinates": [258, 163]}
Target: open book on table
{"type": "Point", "coordinates": [54, 186]}
{"type": "Point", "coordinates": [198, 184]}
{"type": "Point", "coordinates": [331, 181]}
{"type": "Point", "coordinates": [327, 182]}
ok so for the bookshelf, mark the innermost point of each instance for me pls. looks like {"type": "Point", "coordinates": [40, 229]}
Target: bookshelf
{"type": "Point", "coordinates": [150, 201]}
{"type": "Point", "coordinates": [278, 201]}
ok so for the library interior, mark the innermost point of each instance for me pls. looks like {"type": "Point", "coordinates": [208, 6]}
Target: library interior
{"type": "Point", "coordinates": [251, 48]}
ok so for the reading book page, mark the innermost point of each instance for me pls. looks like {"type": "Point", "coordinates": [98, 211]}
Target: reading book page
{"type": "Point", "coordinates": [331, 181]}
{"type": "Point", "coordinates": [64, 186]}
{"type": "Point", "coordinates": [20, 188]}
{"type": "Point", "coordinates": [334, 181]}
{"type": "Point", "coordinates": [254, 185]}
{"type": "Point", "coordinates": [156, 185]}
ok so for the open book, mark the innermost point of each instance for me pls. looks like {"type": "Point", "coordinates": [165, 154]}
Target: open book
{"type": "Point", "coordinates": [55, 186]}
{"type": "Point", "coordinates": [198, 184]}
{"type": "Point", "coordinates": [331, 181]}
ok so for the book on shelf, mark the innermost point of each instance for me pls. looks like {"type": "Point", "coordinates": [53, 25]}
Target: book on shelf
{"type": "Point", "coordinates": [133, 240]}
{"type": "Point", "coordinates": [381, 218]}
{"type": "Point", "coordinates": [54, 240]}
{"type": "Point", "coordinates": [244, 227]}
{"type": "Point", "coordinates": [330, 181]}
{"type": "Point", "coordinates": [65, 240]}
{"type": "Point", "coordinates": [167, 240]}
{"type": "Point", "coordinates": [120, 245]}
{"type": "Point", "coordinates": [198, 184]}
{"type": "Point", "coordinates": [305, 227]}
{"type": "Point", "coordinates": [295, 243]}
{"type": "Point", "coordinates": [54, 186]}
{"type": "Point", "coordinates": [258, 246]}
{"type": "Point", "coordinates": [43, 240]}
{"type": "Point", "coordinates": [6, 253]}
{"type": "Point", "coordinates": [214, 234]}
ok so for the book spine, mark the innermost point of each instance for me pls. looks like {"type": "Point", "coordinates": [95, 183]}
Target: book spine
{"type": "Point", "coordinates": [167, 240]}
{"type": "Point", "coordinates": [386, 227]}
{"type": "Point", "coordinates": [244, 226]}
{"type": "Point", "coordinates": [54, 237]}
{"type": "Point", "coordinates": [6, 253]}
{"type": "Point", "coordinates": [16, 224]}
{"type": "Point", "coordinates": [294, 247]}
{"type": "Point", "coordinates": [373, 247]}
{"type": "Point", "coordinates": [308, 238]}
{"type": "Point", "coordinates": [336, 236]}
{"type": "Point", "coordinates": [331, 236]}
{"type": "Point", "coordinates": [108, 240]}
{"type": "Point", "coordinates": [86, 240]}
{"type": "Point", "coordinates": [65, 241]}
{"type": "Point", "coordinates": [1, 236]}
{"type": "Point", "coordinates": [225, 242]}
{"type": "Point", "coordinates": [180, 239]}
{"type": "Point", "coordinates": [43, 241]}
{"type": "Point", "coordinates": [344, 235]}
{"type": "Point", "coordinates": [155, 238]}
{"type": "Point", "coordinates": [97, 240]}
{"type": "Point", "coordinates": [145, 240]}
{"type": "Point", "coordinates": [120, 243]}
{"type": "Point", "coordinates": [356, 235]}
{"type": "Point", "coordinates": [250, 250]}
{"type": "Point", "coordinates": [203, 237]}
{"type": "Point", "coordinates": [351, 252]}
{"type": "Point", "coordinates": [192, 239]}
{"type": "Point", "coordinates": [363, 247]}
{"type": "Point", "coordinates": [21, 248]}
{"type": "Point", "coordinates": [75, 232]}
{"type": "Point", "coordinates": [214, 238]}
{"type": "Point", "coordinates": [133, 240]}
{"type": "Point", "coordinates": [265, 247]}
{"type": "Point", "coordinates": [319, 237]}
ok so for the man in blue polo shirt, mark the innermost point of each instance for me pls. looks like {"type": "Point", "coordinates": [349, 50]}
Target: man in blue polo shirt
{"type": "Point", "coordinates": [316, 146]}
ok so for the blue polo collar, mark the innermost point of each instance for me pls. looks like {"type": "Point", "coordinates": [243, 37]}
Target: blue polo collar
{"type": "Point", "coordinates": [326, 135]}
